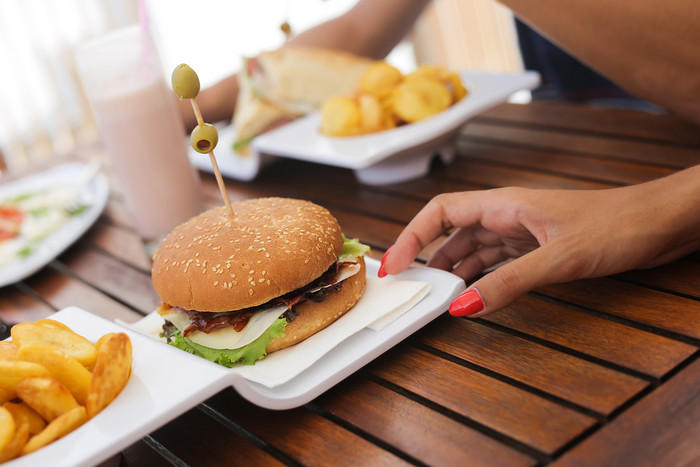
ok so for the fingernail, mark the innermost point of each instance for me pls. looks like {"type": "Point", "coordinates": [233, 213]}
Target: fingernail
{"type": "Point", "coordinates": [382, 273]}
{"type": "Point", "coordinates": [468, 303]}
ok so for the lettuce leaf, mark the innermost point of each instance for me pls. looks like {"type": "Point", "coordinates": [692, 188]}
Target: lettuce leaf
{"type": "Point", "coordinates": [247, 354]}
{"type": "Point", "coordinates": [352, 248]}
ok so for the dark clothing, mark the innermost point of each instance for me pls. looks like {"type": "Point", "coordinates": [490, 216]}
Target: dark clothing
{"type": "Point", "coordinates": [564, 77]}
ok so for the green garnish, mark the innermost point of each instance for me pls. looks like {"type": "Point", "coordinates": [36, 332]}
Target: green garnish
{"type": "Point", "coordinates": [352, 248]}
{"type": "Point", "coordinates": [248, 354]}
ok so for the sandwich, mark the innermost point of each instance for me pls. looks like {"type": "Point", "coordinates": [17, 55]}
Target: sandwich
{"type": "Point", "coordinates": [279, 86]}
{"type": "Point", "coordinates": [235, 288]}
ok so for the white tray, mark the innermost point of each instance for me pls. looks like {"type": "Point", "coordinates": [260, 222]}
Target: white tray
{"type": "Point", "coordinates": [391, 156]}
{"type": "Point", "coordinates": [166, 382]}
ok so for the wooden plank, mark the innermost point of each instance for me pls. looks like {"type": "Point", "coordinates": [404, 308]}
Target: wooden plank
{"type": "Point", "coordinates": [331, 194]}
{"type": "Point", "coordinates": [140, 454]}
{"type": "Point", "coordinates": [613, 172]}
{"type": "Point", "coordinates": [661, 429]}
{"type": "Point", "coordinates": [426, 435]}
{"type": "Point", "coordinates": [682, 276]}
{"type": "Point", "coordinates": [302, 435]}
{"type": "Point", "coordinates": [124, 244]}
{"type": "Point", "coordinates": [192, 435]}
{"type": "Point", "coordinates": [606, 340]}
{"type": "Point", "coordinates": [680, 314]}
{"type": "Point", "coordinates": [493, 175]}
{"type": "Point", "coordinates": [17, 306]}
{"type": "Point", "coordinates": [130, 285]}
{"type": "Point", "coordinates": [573, 142]}
{"type": "Point", "coordinates": [516, 413]}
{"type": "Point", "coordinates": [583, 383]}
{"type": "Point", "coordinates": [617, 123]}
{"type": "Point", "coordinates": [61, 290]}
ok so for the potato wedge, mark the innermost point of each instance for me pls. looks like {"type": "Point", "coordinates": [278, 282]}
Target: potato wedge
{"type": "Point", "coordinates": [340, 116]}
{"type": "Point", "coordinates": [59, 427]}
{"type": "Point", "coordinates": [12, 372]}
{"type": "Point", "coordinates": [420, 98]}
{"type": "Point", "coordinates": [8, 350]}
{"type": "Point", "coordinates": [14, 447]}
{"type": "Point", "coordinates": [111, 372]}
{"type": "Point", "coordinates": [66, 369]}
{"type": "Point", "coordinates": [22, 414]}
{"type": "Point", "coordinates": [57, 334]}
{"type": "Point", "coordinates": [7, 427]}
{"type": "Point", "coordinates": [6, 395]}
{"type": "Point", "coordinates": [46, 396]}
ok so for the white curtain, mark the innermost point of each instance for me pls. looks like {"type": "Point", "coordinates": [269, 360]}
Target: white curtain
{"type": "Point", "coordinates": [43, 111]}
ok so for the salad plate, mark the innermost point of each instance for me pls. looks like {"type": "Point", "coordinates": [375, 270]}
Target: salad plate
{"type": "Point", "coordinates": [390, 156]}
{"type": "Point", "coordinates": [43, 214]}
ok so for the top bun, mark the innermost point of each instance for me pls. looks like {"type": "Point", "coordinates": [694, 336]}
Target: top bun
{"type": "Point", "coordinates": [269, 247]}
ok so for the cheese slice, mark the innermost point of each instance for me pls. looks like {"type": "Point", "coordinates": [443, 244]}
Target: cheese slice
{"type": "Point", "coordinates": [228, 338]}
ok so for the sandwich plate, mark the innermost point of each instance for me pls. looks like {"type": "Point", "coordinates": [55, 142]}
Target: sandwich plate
{"type": "Point", "coordinates": [157, 393]}
{"type": "Point", "coordinates": [391, 156]}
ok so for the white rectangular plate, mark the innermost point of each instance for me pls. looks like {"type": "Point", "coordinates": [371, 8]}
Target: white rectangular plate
{"type": "Point", "coordinates": [166, 381]}
{"type": "Point", "coordinates": [302, 140]}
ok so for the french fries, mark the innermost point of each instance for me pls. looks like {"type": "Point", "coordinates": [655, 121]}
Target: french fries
{"type": "Point", "coordinates": [386, 98]}
{"type": "Point", "coordinates": [52, 380]}
{"type": "Point", "coordinates": [64, 368]}
{"type": "Point", "coordinates": [58, 335]}
{"type": "Point", "coordinates": [111, 372]}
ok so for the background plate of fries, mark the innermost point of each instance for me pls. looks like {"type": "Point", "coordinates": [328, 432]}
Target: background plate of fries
{"type": "Point", "coordinates": [390, 156]}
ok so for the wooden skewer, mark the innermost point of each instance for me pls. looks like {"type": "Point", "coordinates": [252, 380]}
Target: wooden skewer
{"type": "Point", "coordinates": [214, 164]}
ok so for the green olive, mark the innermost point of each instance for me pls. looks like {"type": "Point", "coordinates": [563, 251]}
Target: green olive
{"type": "Point", "coordinates": [204, 138]}
{"type": "Point", "coordinates": [185, 82]}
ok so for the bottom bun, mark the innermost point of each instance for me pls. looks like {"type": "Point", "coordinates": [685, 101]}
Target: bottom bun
{"type": "Point", "coordinates": [315, 316]}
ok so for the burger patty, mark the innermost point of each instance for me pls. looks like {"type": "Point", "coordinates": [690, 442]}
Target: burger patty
{"type": "Point", "coordinates": [208, 322]}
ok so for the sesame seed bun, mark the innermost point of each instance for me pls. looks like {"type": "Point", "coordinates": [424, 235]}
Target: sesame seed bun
{"type": "Point", "coordinates": [271, 246]}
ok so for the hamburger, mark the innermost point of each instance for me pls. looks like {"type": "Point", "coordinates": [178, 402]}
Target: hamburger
{"type": "Point", "coordinates": [235, 288]}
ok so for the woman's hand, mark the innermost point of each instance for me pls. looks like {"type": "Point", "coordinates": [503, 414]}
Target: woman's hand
{"type": "Point", "coordinates": [555, 235]}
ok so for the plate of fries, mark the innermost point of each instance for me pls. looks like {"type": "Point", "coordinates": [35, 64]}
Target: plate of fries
{"type": "Point", "coordinates": [77, 389]}
{"type": "Point", "coordinates": [389, 154]}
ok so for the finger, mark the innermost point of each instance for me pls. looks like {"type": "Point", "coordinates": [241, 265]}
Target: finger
{"type": "Point", "coordinates": [501, 287]}
{"type": "Point", "coordinates": [461, 244]}
{"type": "Point", "coordinates": [437, 217]}
{"type": "Point", "coordinates": [480, 260]}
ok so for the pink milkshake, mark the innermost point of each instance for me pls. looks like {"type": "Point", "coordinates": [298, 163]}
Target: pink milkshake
{"type": "Point", "coordinates": [141, 130]}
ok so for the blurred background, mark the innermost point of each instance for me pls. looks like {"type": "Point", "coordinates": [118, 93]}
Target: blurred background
{"type": "Point", "coordinates": [44, 112]}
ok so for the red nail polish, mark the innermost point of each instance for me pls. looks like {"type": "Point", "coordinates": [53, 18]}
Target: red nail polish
{"type": "Point", "coordinates": [381, 273]}
{"type": "Point", "coordinates": [468, 303]}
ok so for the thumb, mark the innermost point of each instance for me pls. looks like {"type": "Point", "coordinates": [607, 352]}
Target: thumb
{"type": "Point", "coordinates": [502, 286]}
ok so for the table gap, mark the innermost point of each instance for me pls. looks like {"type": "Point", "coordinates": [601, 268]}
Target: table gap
{"type": "Point", "coordinates": [63, 269]}
{"type": "Point", "coordinates": [247, 435]}
{"type": "Point", "coordinates": [620, 320]}
{"type": "Point", "coordinates": [362, 433]}
{"type": "Point", "coordinates": [164, 452]}
{"type": "Point", "coordinates": [508, 380]}
{"type": "Point", "coordinates": [574, 353]}
{"type": "Point", "coordinates": [537, 455]}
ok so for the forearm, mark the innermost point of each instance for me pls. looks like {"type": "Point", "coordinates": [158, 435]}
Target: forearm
{"type": "Point", "coordinates": [371, 28]}
{"type": "Point", "coordinates": [675, 217]}
{"type": "Point", "coordinates": [650, 48]}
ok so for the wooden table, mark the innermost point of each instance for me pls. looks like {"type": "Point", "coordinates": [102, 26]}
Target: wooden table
{"type": "Point", "coordinates": [595, 372]}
